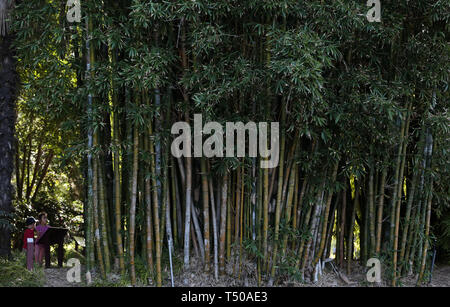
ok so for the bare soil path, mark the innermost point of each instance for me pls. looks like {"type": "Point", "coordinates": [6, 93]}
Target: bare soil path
{"type": "Point", "coordinates": [57, 277]}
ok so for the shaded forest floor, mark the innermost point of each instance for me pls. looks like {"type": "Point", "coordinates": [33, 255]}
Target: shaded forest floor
{"type": "Point", "coordinates": [194, 277]}
{"type": "Point", "coordinates": [57, 277]}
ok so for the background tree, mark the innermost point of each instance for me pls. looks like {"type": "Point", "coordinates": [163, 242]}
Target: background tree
{"type": "Point", "coordinates": [8, 96]}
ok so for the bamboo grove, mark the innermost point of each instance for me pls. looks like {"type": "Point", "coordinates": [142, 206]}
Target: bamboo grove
{"type": "Point", "coordinates": [363, 113]}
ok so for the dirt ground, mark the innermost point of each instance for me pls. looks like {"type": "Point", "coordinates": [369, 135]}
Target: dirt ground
{"type": "Point", "coordinates": [194, 277]}
{"type": "Point", "coordinates": [57, 277]}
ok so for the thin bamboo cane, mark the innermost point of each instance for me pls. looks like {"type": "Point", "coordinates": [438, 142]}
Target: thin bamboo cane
{"type": "Point", "coordinates": [133, 205]}
{"type": "Point", "coordinates": [148, 211]}
{"type": "Point", "coordinates": [198, 232]}
{"type": "Point", "coordinates": [309, 247]}
{"type": "Point", "coordinates": [371, 211]}
{"type": "Point", "coordinates": [298, 209]}
{"type": "Point", "coordinates": [279, 191]}
{"type": "Point", "coordinates": [296, 197]}
{"type": "Point", "coordinates": [241, 222]}
{"type": "Point", "coordinates": [427, 234]}
{"type": "Point", "coordinates": [237, 216]}
{"type": "Point", "coordinates": [95, 189]}
{"type": "Point", "coordinates": [259, 230]}
{"type": "Point", "coordinates": [342, 228]}
{"type": "Point", "coordinates": [188, 181]}
{"type": "Point", "coordinates": [306, 222]}
{"type": "Point", "coordinates": [155, 203]}
{"type": "Point", "coordinates": [396, 184]}
{"type": "Point", "coordinates": [215, 228]}
{"type": "Point", "coordinates": [325, 217]}
{"type": "Point", "coordinates": [90, 238]}
{"type": "Point", "coordinates": [380, 210]}
{"type": "Point", "coordinates": [293, 181]}
{"type": "Point", "coordinates": [205, 212]}
{"type": "Point", "coordinates": [399, 195]}
{"type": "Point", "coordinates": [350, 234]}
{"type": "Point", "coordinates": [229, 218]}
{"type": "Point", "coordinates": [332, 225]}
{"type": "Point", "coordinates": [117, 183]}
{"type": "Point", "coordinates": [223, 221]}
{"type": "Point", "coordinates": [175, 202]}
{"type": "Point", "coordinates": [103, 224]}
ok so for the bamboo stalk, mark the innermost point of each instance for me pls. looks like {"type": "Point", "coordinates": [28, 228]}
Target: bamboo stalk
{"type": "Point", "coordinates": [295, 206]}
{"type": "Point", "coordinates": [117, 183]}
{"type": "Point", "coordinates": [103, 224]}
{"type": "Point", "coordinates": [342, 228]}
{"type": "Point", "coordinates": [169, 235]}
{"type": "Point", "coordinates": [198, 232]}
{"type": "Point", "coordinates": [95, 211]}
{"type": "Point", "coordinates": [301, 258]}
{"type": "Point", "coordinates": [380, 210]}
{"type": "Point", "coordinates": [325, 217]}
{"type": "Point", "coordinates": [148, 213]}
{"type": "Point", "coordinates": [371, 211]}
{"type": "Point", "coordinates": [223, 221]}
{"type": "Point", "coordinates": [175, 202]}
{"type": "Point", "coordinates": [156, 220]}
{"type": "Point", "coordinates": [350, 234]}
{"type": "Point", "coordinates": [205, 212]}
{"type": "Point", "coordinates": [293, 183]}
{"type": "Point", "coordinates": [215, 228]}
{"type": "Point", "coordinates": [396, 184]}
{"type": "Point", "coordinates": [298, 209]}
{"type": "Point", "coordinates": [399, 195]}
{"type": "Point", "coordinates": [133, 205]}
{"type": "Point", "coordinates": [229, 219]}
{"type": "Point", "coordinates": [237, 216]}
{"type": "Point", "coordinates": [241, 222]}
{"type": "Point", "coordinates": [427, 234]}
{"type": "Point", "coordinates": [309, 248]}
{"type": "Point", "coordinates": [258, 225]}
{"type": "Point", "coordinates": [90, 257]}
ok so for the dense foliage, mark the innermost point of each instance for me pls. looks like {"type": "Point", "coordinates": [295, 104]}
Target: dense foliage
{"type": "Point", "coordinates": [363, 111]}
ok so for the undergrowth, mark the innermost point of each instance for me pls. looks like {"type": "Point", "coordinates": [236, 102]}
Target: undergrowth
{"type": "Point", "coordinates": [14, 273]}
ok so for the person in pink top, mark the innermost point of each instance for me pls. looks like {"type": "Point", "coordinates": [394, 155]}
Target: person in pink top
{"type": "Point", "coordinates": [41, 228]}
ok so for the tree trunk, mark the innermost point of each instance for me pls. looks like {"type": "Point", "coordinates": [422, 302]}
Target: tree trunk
{"type": "Point", "coordinates": [205, 212]}
{"type": "Point", "coordinates": [8, 92]}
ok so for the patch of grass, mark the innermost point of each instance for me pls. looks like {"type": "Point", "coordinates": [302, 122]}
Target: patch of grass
{"type": "Point", "coordinates": [14, 273]}
{"type": "Point", "coordinates": [144, 274]}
